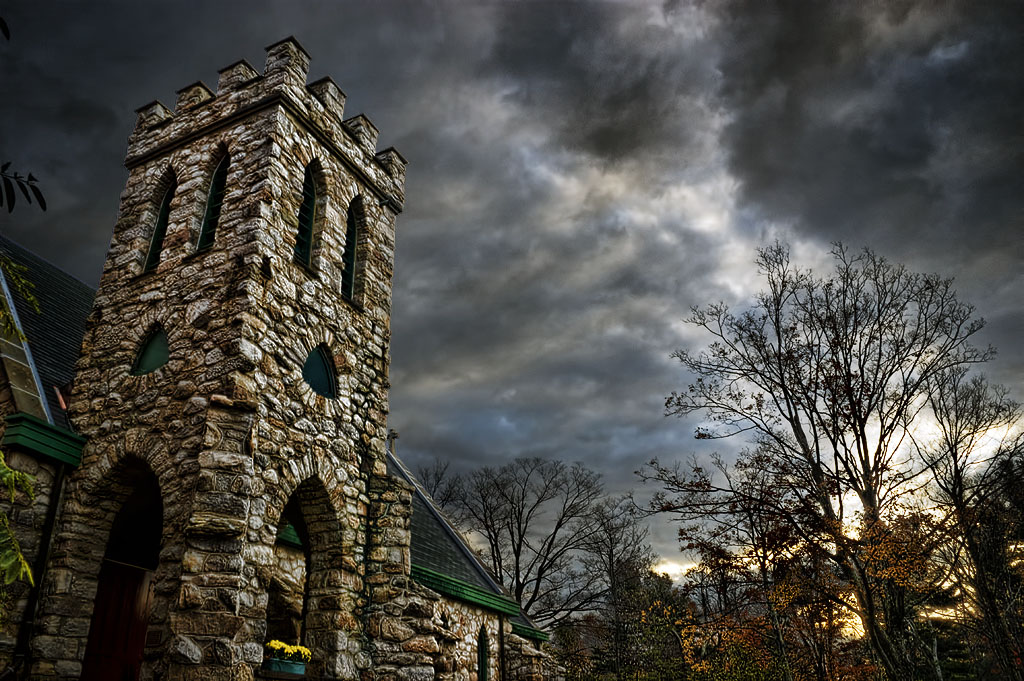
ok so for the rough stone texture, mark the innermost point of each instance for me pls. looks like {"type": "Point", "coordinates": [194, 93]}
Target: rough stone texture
{"type": "Point", "coordinates": [228, 429]}
{"type": "Point", "coordinates": [526, 662]}
{"type": "Point", "coordinates": [286, 594]}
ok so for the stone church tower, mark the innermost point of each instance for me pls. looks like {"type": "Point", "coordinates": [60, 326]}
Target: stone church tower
{"type": "Point", "coordinates": [233, 383]}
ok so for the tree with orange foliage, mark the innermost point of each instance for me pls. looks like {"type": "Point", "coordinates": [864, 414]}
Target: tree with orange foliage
{"type": "Point", "coordinates": [828, 376]}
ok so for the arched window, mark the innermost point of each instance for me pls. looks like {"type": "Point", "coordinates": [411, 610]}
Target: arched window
{"type": "Point", "coordinates": [160, 229]}
{"type": "Point", "coordinates": [482, 655]}
{"type": "Point", "coordinates": [154, 353]}
{"type": "Point", "coordinates": [318, 372]}
{"type": "Point", "coordinates": [213, 203]}
{"type": "Point", "coordinates": [307, 218]}
{"type": "Point", "coordinates": [348, 274]}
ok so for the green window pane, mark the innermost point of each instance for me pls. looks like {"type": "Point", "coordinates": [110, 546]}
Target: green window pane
{"type": "Point", "coordinates": [154, 354]}
{"type": "Point", "coordinates": [213, 203]}
{"type": "Point", "coordinates": [348, 274]}
{"type": "Point", "coordinates": [159, 231]}
{"type": "Point", "coordinates": [482, 656]}
{"type": "Point", "coordinates": [307, 215]}
{"type": "Point", "coordinates": [318, 372]}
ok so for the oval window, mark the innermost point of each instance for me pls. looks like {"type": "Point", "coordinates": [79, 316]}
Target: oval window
{"type": "Point", "coordinates": [153, 355]}
{"type": "Point", "coordinates": [318, 372]}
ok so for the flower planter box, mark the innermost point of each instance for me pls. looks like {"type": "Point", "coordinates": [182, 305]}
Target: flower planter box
{"type": "Point", "coordinates": [291, 667]}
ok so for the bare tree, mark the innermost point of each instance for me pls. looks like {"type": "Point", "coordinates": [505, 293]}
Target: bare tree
{"type": "Point", "coordinates": [827, 376]}
{"type": "Point", "coordinates": [618, 552]}
{"type": "Point", "coordinates": [441, 484]}
{"type": "Point", "coordinates": [536, 518]}
{"type": "Point", "coordinates": [972, 459]}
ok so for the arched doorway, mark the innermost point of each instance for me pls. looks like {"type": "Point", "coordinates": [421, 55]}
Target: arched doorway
{"type": "Point", "coordinates": [117, 634]}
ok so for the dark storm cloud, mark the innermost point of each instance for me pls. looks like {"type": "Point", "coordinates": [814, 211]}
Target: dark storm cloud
{"type": "Point", "coordinates": [613, 80]}
{"type": "Point", "coordinates": [894, 126]}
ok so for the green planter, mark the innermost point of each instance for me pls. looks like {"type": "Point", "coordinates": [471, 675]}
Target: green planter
{"type": "Point", "coordinates": [284, 666]}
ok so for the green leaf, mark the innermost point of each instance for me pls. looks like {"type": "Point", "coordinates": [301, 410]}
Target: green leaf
{"type": "Point", "coordinates": [39, 195]}
{"type": "Point", "coordinates": [13, 565]}
{"type": "Point", "coordinates": [9, 192]}
{"type": "Point", "coordinates": [23, 187]}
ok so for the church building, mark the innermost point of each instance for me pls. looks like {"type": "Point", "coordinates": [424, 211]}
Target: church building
{"type": "Point", "coordinates": [208, 429]}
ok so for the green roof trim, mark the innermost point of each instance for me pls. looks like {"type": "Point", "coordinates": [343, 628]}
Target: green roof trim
{"type": "Point", "coordinates": [35, 434]}
{"type": "Point", "coordinates": [288, 536]}
{"type": "Point", "coordinates": [529, 632]}
{"type": "Point", "coordinates": [464, 591]}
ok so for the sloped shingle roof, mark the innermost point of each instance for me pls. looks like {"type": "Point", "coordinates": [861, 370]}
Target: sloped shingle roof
{"type": "Point", "coordinates": [437, 546]}
{"type": "Point", "coordinates": [55, 332]}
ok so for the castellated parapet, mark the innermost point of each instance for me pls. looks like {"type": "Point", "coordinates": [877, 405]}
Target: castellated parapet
{"type": "Point", "coordinates": [227, 432]}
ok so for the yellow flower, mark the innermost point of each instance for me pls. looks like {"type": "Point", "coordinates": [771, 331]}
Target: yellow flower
{"type": "Point", "coordinates": [282, 651]}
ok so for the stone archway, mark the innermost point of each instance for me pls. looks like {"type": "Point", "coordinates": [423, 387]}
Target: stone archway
{"type": "Point", "coordinates": [310, 558]}
{"type": "Point", "coordinates": [124, 592]}
{"type": "Point", "coordinates": [112, 515]}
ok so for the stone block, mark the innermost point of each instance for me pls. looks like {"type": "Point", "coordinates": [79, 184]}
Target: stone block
{"type": "Point", "coordinates": [215, 525]}
{"type": "Point", "coordinates": [421, 644]}
{"type": "Point", "coordinates": [364, 132]}
{"type": "Point", "coordinates": [394, 629]}
{"type": "Point", "coordinates": [183, 650]}
{"type": "Point", "coordinates": [206, 623]}
{"type": "Point", "coordinates": [151, 114]}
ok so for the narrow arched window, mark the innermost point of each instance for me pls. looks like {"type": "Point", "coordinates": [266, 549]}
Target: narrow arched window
{"type": "Point", "coordinates": [153, 354]}
{"type": "Point", "coordinates": [318, 372]}
{"type": "Point", "coordinates": [160, 230]}
{"type": "Point", "coordinates": [213, 203]}
{"type": "Point", "coordinates": [482, 655]}
{"type": "Point", "coordinates": [307, 218]}
{"type": "Point", "coordinates": [348, 274]}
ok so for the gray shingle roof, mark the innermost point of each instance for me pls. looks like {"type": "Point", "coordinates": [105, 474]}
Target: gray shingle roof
{"type": "Point", "coordinates": [438, 547]}
{"type": "Point", "coordinates": [55, 332]}
{"type": "Point", "coordinates": [435, 544]}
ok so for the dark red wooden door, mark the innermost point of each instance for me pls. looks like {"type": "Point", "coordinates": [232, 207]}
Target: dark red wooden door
{"type": "Point", "coordinates": [118, 631]}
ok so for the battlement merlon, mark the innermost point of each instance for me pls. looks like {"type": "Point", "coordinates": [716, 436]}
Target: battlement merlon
{"type": "Point", "coordinates": [394, 162]}
{"type": "Point", "coordinates": [330, 95]}
{"type": "Point", "coordinates": [363, 130]}
{"type": "Point", "coordinates": [192, 95]}
{"type": "Point", "coordinates": [236, 75]}
{"type": "Point", "coordinates": [287, 63]}
{"type": "Point", "coordinates": [243, 93]}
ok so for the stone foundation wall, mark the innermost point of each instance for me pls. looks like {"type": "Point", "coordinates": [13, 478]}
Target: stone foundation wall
{"type": "Point", "coordinates": [462, 623]}
{"type": "Point", "coordinates": [528, 662]}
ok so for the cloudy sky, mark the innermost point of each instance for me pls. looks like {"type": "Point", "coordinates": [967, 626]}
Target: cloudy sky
{"type": "Point", "coordinates": [580, 175]}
